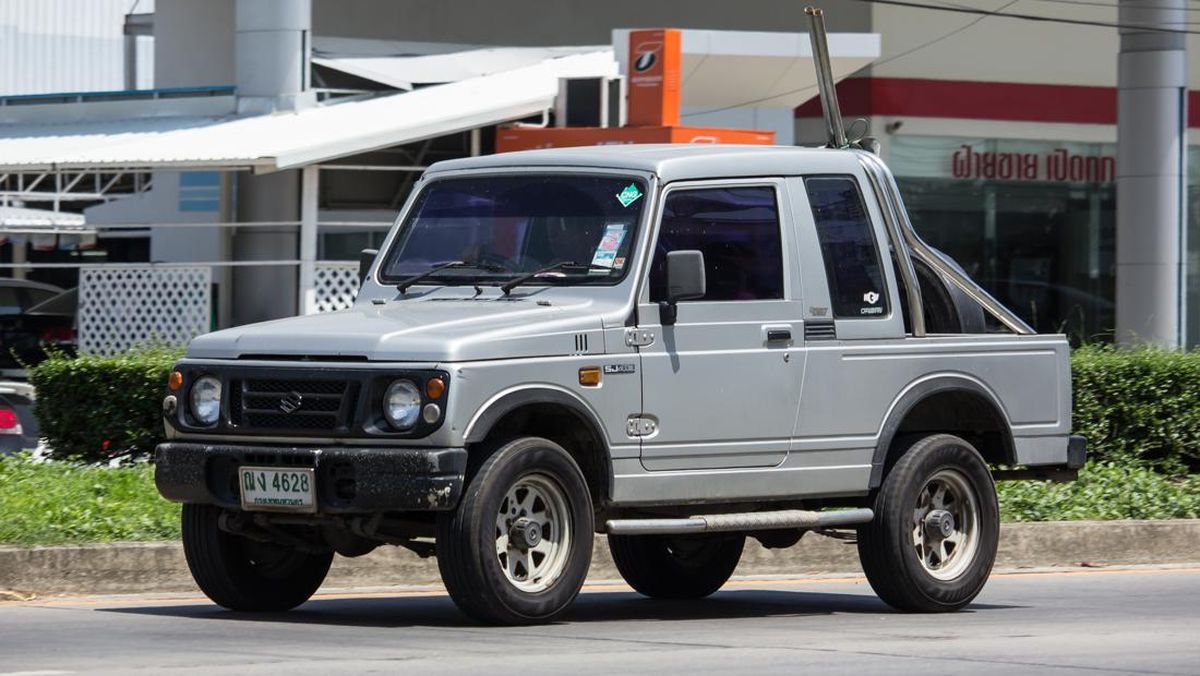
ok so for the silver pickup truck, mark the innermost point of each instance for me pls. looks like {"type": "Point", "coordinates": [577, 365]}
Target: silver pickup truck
{"type": "Point", "coordinates": [677, 346]}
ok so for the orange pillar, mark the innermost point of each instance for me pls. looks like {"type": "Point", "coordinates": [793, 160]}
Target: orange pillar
{"type": "Point", "coordinates": [655, 62]}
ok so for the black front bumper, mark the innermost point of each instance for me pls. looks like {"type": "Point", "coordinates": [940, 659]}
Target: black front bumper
{"type": "Point", "coordinates": [349, 480]}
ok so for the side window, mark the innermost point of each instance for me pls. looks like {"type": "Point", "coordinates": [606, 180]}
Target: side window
{"type": "Point", "coordinates": [856, 284]}
{"type": "Point", "coordinates": [737, 230]}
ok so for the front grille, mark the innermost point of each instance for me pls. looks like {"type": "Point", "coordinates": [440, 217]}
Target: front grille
{"type": "Point", "coordinates": [278, 404]}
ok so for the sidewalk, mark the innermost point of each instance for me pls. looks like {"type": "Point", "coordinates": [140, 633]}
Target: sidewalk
{"type": "Point", "coordinates": [128, 568]}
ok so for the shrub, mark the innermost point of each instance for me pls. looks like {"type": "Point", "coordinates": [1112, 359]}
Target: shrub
{"type": "Point", "coordinates": [1139, 406]}
{"type": "Point", "coordinates": [1104, 491]}
{"type": "Point", "coordinates": [48, 503]}
{"type": "Point", "coordinates": [95, 408]}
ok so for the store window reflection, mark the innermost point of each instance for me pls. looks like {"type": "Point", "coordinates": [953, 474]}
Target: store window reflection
{"type": "Point", "coordinates": [1011, 214]}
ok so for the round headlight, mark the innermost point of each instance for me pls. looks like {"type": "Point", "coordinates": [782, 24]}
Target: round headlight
{"type": "Point", "coordinates": [402, 404]}
{"type": "Point", "coordinates": [206, 400]}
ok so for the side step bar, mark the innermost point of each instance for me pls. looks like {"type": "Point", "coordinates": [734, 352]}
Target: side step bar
{"type": "Point", "coordinates": [741, 521]}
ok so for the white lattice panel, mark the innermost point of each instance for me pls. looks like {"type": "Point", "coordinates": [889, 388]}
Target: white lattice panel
{"type": "Point", "coordinates": [126, 306]}
{"type": "Point", "coordinates": [336, 285]}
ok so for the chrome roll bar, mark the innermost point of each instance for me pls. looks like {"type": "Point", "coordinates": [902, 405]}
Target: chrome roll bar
{"type": "Point", "coordinates": [905, 241]}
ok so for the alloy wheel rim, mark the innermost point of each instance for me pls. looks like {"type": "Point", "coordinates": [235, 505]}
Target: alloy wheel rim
{"type": "Point", "coordinates": [945, 528]}
{"type": "Point", "coordinates": [533, 533]}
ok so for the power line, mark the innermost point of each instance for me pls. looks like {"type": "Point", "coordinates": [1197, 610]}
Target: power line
{"type": "Point", "coordinates": [1094, 3]}
{"type": "Point", "coordinates": [936, 40]}
{"type": "Point", "coordinates": [949, 7]}
{"type": "Point", "coordinates": [888, 60]}
{"type": "Point", "coordinates": [1029, 17]}
{"type": "Point", "coordinates": [1086, 3]}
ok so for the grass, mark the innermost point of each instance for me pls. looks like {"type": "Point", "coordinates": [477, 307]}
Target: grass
{"type": "Point", "coordinates": [1104, 491]}
{"type": "Point", "coordinates": [53, 503]}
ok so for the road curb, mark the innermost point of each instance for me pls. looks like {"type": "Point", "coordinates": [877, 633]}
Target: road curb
{"type": "Point", "coordinates": [126, 568]}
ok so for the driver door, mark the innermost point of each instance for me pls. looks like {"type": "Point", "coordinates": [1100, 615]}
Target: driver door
{"type": "Point", "coordinates": [721, 386]}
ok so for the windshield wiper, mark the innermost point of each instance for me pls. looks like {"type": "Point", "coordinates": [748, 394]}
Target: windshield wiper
{"type": "Point", "coordinates": [416, 279]}
{"type": "Point", "coordinates": [508, 286]}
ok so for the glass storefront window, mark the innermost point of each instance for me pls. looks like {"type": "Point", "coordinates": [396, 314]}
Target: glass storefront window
{"type": "Point", "coordinates": [1033, 222]}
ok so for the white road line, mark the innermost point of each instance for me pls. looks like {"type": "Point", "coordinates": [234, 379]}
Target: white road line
{"type": "Point", "coordinates": [34, 673]}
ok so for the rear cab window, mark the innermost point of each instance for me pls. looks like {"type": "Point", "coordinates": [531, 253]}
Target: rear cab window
{"type": "Point", "coordinates": [857, 287]}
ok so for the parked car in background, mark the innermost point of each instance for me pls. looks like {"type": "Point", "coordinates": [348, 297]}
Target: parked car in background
{"type": "Point", "coordinates": [18, 426]}
{"type": "Point", "coordinates": [33, 317]}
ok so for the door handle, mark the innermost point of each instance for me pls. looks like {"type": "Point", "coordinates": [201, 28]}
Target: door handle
{"type": "Point", "coordinates": [776, 335]}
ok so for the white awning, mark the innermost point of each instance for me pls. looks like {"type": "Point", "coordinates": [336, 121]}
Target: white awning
{"type": "Point", "coordinates": [407, 72]}
{"type": "Point", "coordinates": [20, 217]}
{"type": "Point", "coordinates": [287, 140]}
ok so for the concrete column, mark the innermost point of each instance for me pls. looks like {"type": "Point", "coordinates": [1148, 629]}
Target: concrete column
{"type": "Point", "coordinates": [271, 66]}
{"type": "Point", "coordinates": [309, 190]}
{"type": "Point", "coordinates": [1151, 173]}
{"type": "Point", "coordinates": [272, 42]}
{"type": "Point", "coordinates": [268, 291]}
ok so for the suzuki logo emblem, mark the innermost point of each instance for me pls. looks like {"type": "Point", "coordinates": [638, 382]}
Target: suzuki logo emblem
{"type": "Point", "coordinates": [291, 402]}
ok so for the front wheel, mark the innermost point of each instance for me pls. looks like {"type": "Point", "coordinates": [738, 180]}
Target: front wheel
{"type": "Point", "coordinates": [518, 547]}
{"type": "Point", "coordinates": [937, 524]}
{"type": "Point", "coordinates": [243, 574]}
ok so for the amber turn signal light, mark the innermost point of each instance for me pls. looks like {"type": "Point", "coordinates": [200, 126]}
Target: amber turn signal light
{"type": "Point", "coordinates": [175, 381]}
{"type": "Point", "coordinates": [435, 388]}
{"type": "Point", "coordinates": [589, 376]}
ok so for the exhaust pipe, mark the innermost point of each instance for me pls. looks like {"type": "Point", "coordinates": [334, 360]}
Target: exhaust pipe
{"type": "Point", "coordinates": [834, 128]}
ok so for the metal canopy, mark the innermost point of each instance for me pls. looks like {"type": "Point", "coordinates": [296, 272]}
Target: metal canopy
{"type": "Point", "coordinates": [294, 139]}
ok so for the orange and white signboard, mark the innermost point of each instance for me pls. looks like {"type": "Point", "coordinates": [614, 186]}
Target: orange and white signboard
{"type": "Point", "coordinates": [655, 62]}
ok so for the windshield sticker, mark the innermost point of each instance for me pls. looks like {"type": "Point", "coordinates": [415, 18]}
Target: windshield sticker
{"type": "Point", "coordinates": [606, 251]}
{"type": "Point", "coordinates": [619, 262]}
{"type": "Point", "coordinates": [614, 234]}
{"type": "Point", "coordinates": [629, 195]}
{"type": "Point", "coordinates": [604, 259]}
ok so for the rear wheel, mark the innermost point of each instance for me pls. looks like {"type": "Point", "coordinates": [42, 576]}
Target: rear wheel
{"type": "Point", "coordinates": [518, 547]}
{"type": "Point", "coordinates": [243, 574]}
{"type": "Point", "coordinates": [676, 566]}
{"type": "Point", "coordinates": [933, 541]}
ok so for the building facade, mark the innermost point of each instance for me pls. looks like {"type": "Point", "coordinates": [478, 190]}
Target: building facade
{"type": "Point", "coordinates": [1002, 132]}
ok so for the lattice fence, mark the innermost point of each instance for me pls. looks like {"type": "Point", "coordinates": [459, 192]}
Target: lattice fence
{"type": "Point", "coordinates": [336, 285]}
{"type": "Point", "coordinates": [125, 306]}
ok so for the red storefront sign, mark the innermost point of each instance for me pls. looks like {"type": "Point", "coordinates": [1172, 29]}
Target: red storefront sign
{"type": "Point", "coordinates": [1058, 165]}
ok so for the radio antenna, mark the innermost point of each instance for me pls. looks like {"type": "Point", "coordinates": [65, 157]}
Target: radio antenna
{"type": "Point", "coordinates": [834, 127]}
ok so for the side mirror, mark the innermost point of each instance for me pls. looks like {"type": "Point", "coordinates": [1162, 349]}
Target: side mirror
{"type": "Point", "coordinates": [685, 281]}
{"type": "Point", "coordinates": [365, 259]}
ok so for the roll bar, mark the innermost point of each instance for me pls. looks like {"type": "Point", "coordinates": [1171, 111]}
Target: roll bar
{"type": "Point", "coordinates": [903, 238]}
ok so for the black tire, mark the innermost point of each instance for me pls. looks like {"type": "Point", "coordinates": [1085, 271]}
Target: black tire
{"type": "Point", "coordinates": [676, 566]}
{"type": "Point", "coordinates": [242, 574]}
{"type": "Point", "coordinates": [953, 575]}
{"type": "Point", "coordinates": [474, 573]}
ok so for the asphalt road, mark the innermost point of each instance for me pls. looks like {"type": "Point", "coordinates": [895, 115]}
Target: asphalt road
{"type": "Point", "coordinates": [1106, 621]}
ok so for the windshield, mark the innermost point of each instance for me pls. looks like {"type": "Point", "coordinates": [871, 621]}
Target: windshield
{"type": "Point", "coordinates": [511, 226]}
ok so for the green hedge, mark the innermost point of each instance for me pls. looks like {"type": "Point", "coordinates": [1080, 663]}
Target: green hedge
{"type": "Point", "coordinates": [96, 408]}
{"type": "Point", "coordinates": [1139, 407]}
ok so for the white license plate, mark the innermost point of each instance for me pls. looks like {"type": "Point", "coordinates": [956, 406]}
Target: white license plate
{"type": "Point", "coordinates": [272, 489]}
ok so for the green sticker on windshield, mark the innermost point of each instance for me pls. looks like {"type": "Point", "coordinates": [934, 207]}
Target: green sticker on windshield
{"type": "Point", "coordinates": [629, 195]}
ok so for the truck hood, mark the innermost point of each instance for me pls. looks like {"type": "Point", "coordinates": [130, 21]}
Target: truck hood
{"type": "Point", "coordinates": [422, 329]}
